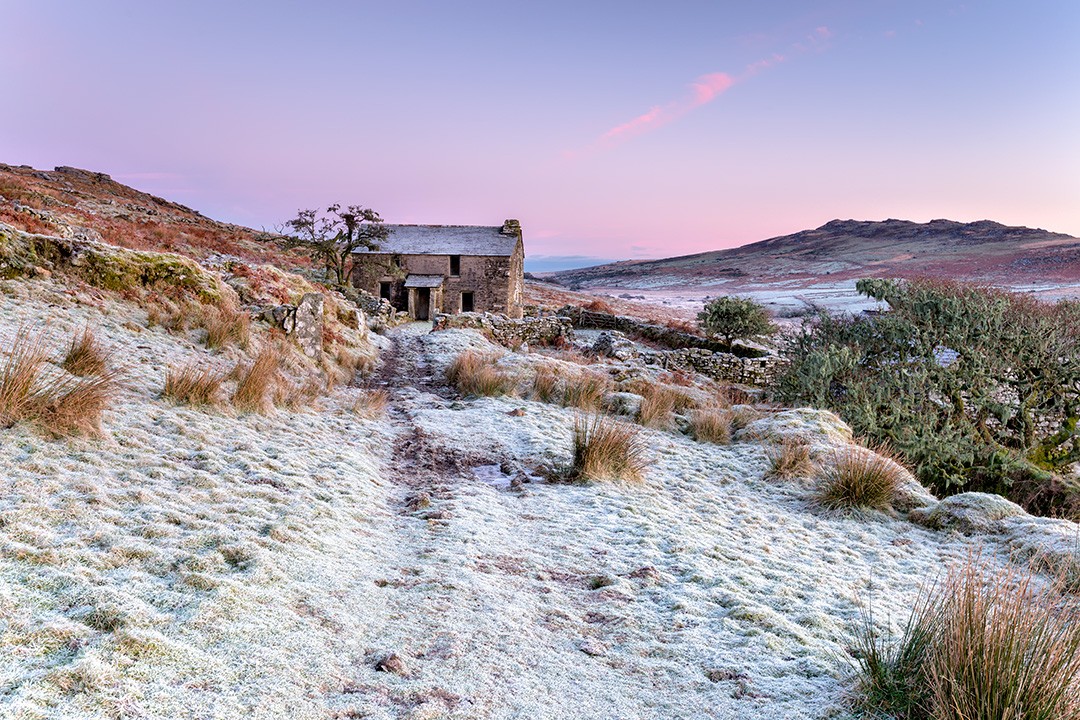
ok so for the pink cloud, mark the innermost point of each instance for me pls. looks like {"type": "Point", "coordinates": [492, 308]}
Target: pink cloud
{"type": "Point", "coordinates": [709, 86]}
{"type": "Point", "coordinates": [765, 63]}
{"type": "Point", "coordinates": [638, 125]}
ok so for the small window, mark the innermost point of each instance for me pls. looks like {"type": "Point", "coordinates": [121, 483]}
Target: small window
{"type": "Point", "coordinates": [455, 265]}
{"type": "Point", "coordinates": [466, 302]}
{"type": "Point", "coordinates": [384, 290]}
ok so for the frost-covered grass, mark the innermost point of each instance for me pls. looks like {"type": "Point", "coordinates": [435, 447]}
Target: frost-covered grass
{"type": "Point", "coordinates": [312, 563]}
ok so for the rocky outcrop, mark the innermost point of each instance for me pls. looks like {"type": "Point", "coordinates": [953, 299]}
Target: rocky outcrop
{"type": "Point", "coordinates": [303, 322]}
{"type": "Point", "coordinates": [970, 512]}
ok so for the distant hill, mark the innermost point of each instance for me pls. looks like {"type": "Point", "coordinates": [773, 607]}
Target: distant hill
{"type": "Point", "coordinates": [843, 250]}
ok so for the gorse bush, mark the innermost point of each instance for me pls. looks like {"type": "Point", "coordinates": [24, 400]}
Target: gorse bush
{"type": "Point", "coordinates": [981, 646]}
{"type": "Point", "coordinates": [976, 387]}
{"type": "Point", "coordinates": [607, 449]}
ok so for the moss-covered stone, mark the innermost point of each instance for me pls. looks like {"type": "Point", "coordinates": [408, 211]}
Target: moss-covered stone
{"type": "Point", "coordinates": [108, 267]}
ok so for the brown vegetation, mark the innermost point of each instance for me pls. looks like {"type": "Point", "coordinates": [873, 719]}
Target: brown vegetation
{"type": "Point", "coordinates": [859, 478]}
{"type": "Point", "coordinates": [790, 459]}
{"type": "Point", "coordinates": [85, 355]}
{"type": "Point", "coordinates": [192, 385]}
{"type": "Point", "coordinates": [982, 645]}
{"type": "Point", "coordinates": [711, 425]}
{"type": "Point", "coordinates": [607, 449]}
{"type": "Point", "coordinates": [476, 374]}
{"type": "Point", "coordinates": [256, 381]}
{"type": "Point", "coordinates": [371, 403]}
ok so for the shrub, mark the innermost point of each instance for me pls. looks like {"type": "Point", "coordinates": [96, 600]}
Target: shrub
{"type": "Point", "coordinates": [790, 459]}
{"type": "Point", "coordinates": [192, 385]}
{"type": "Point", "coordinates": [975, 386]}
{"type": "Point", "coordinates": [256, 382]}
{"type": "Point", "coordinates": [983, 645]}
{"type": "Point", "coordinates": [475, 374]}
{"type": "Point", "coordinates": [85, 356]}
{"type": "Point", "coordinates": [859, 478]}
{"type": "Point", "coordinates": [606, 449]}
{"type": "Point", "coordinates": [711, 425]}
{"type": "Point", "coordinates": [371, 403]}
{"type": "Point", "coordinates": [599, 306]}
{"type": "Point", "coordinates": [734, 317]}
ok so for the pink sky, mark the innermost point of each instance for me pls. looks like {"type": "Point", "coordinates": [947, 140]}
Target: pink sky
{"type": "Point", "coordinates": [609, 131]}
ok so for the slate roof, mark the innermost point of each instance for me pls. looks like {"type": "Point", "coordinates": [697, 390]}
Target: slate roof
{"type": "Point", "coordinates": [446, 240]}
{"type": "Point", "coordinates": [424, 281]}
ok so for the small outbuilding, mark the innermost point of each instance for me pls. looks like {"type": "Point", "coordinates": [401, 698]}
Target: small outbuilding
{"type": "Point", "coordinates": [425, 269]}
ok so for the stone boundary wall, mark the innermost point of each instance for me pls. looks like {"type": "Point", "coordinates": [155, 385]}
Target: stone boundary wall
{"type": "Point", "coordinates": [721, 366]}
{"type": "Point", "coordinates": [508, 331]}
{"type": "Point", "coordinates": [660, 334]}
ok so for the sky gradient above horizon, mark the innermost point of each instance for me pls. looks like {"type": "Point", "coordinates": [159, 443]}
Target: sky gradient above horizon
{"type": "Point", "coordinates": [610, 131]}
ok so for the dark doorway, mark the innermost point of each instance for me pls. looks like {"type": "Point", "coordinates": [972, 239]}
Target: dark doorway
{"type": "Point", "coordinates": [466, 302]}
{"type": "Point", "coordinates": [423, 302]}
{"type": "Point", "coordinates": [384, 290]}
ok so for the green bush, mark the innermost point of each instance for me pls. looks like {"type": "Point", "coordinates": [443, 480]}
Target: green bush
{"type": "Point", "coordinates": [977, 388]}
{"type": "Point", "coordinates": [733, 317]}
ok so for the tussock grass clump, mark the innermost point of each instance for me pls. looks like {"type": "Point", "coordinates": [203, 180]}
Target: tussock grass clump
{"type": "Point", "coordinates": [225, 327]}
{"type": "Point", "coordinates": [606, 449]}
{"type": "Point", "coordinates": [61, 405]}
{"type": "Point", "coordinates": [859, 478]}
{"type": "Point", "coordinates": [85, 355]}
{"type": "Point", "coordinates": [790, 459]}
{"type": "Point", "coordinates": [475, 374]}
{"type": "Point", "coordinates": [192, 385]}
{"type": "Point", "coordinates": [256, 382]}
{"type": "Point", "coordinates": [660, 402]}
{"type": "Point", "coordinates": [586, 390]}
{"type": "Point", "coordinates": [65, 406]}
{"type": "Point", "coordinates": [371, 403]}
{"type": "Point", "coordinates": [545, 385]}
{"type": "Point", "coordinates": [983, 645]}
{"type": "Point", "coordinates": [19, 374]}
{"type": "Point", "coordinates": [711, 425]}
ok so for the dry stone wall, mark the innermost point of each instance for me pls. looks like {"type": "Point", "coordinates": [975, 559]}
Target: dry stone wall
{"type": "Point", "coordinates": [507, 331]}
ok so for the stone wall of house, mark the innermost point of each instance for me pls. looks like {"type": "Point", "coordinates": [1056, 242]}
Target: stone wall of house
{"type": "Point", "coordinates": [511, 332]}
{"type": "Point", "coordinates": [660, 334]}
{"type": "Point", "coordinates": [494, 281]}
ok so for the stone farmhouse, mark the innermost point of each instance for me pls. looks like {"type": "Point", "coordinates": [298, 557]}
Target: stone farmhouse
{"type": "Point", "coordinates": [427, 269]}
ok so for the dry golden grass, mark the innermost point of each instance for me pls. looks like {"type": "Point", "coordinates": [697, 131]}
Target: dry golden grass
{"type": "Point", "coordinates": [62, 405]}
{"type": "Point", "coordinates": [607, 449]}
{"type": "Point", "coordinates": [586, 390]}
{"type": "Point", "coordinates": [859, 478]}
{"type": "Point", "coordinates": [983, 645]}
{"type": "Point", "coordinates": [371, 403]}
{"type": "Point", "coordinates": [256, 382]}
{"type": "Point", "coordinates": [545, 385]}
{"type": "Point", "coordinates": [475, 374]}
{"type": "Point", "coordinates": [65, 406]}
{"type": "Point", "coordinates": [85, 355]}
{"type": "Point", "coordinates": [711, 425]}
{"type": "Point", "coordinates": [790, 459]}
{"type": "Point", "coordinates": [227, 327]}
{"type": "Point", "coordinates": [192, 385]}
{"type": "Point", "coordinates": [299, 396]}
{"type": "Point", "coordinates": [19, 374]}
{"type": "Point", "coordinates": [660, 402]}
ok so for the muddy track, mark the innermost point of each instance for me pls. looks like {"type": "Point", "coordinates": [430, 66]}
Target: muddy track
{"type": "Point", "coordinates": [426, 470]}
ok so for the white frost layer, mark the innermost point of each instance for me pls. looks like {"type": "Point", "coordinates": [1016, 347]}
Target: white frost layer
{"type": "Point", "coordinates": [197, 565]}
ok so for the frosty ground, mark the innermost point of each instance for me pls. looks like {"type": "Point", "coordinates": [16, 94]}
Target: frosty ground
{"type": "Point", "coordinates": [316, 564]}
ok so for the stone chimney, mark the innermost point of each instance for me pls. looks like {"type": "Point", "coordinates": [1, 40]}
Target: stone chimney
{"type": "Point", "coordinates": [511, 227]}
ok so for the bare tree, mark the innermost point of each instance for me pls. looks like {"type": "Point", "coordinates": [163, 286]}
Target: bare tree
{"type": "Point", "coordinates": [333, 237]}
